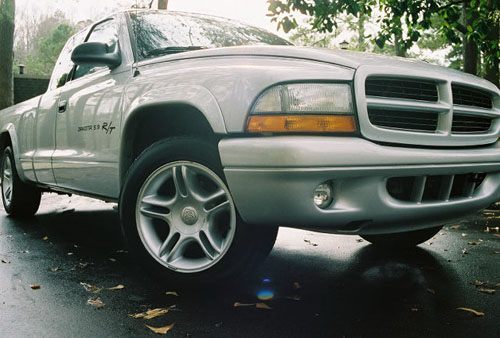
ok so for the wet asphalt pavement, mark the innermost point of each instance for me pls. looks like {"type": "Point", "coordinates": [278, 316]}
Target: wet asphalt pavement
{"type": "Point", "coordinates": [322, 285]}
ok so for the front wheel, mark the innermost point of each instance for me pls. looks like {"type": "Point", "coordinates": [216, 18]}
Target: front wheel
{"type": "Point", "coordinates": [19, 198]}
{"type": "Point", "coordinates": [179, 218]}
{"type": "Point", "coordinates": [402, 239]}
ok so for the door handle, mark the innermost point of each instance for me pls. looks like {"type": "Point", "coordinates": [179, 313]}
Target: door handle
{"type": "Point", "coordinates": [62, 106]}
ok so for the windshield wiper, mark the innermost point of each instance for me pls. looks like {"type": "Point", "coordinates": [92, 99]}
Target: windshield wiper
{"type": "Point", "coordinates": [173, 50]}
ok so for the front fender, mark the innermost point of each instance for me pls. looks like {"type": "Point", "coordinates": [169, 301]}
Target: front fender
{"type": "Point", "coordinates": [196, 96]}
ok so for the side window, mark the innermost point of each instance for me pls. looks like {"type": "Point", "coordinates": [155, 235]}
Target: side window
{"type": "Point", "coordinates": [106, 32]}
{"type": "Point", "coordinates": [64, 65]}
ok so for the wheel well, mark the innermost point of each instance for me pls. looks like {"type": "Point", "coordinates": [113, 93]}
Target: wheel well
{"type": "Point", "coordinates": [4, 141]}
{"type": "Point", "coordinates": [155, 123]}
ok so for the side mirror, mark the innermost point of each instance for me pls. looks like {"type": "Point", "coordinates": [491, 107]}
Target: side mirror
{"type": "Point", "coordinates": [96, 54]}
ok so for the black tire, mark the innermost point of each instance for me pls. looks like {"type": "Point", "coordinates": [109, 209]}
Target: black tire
{"type": "Point", "coordinates": [402, 239]}
{"type": "Point", "coordinates": [19, 199]}
{"type": "Point", "coordinates": [250, 245]}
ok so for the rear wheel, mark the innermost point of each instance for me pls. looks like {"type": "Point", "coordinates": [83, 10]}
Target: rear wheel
{"type": "Point", "coordinates": [19, 198]}
{"type": "Point", "coordinates": [402, 239]}
{"type": "Point", "coordinates": [178, 215]}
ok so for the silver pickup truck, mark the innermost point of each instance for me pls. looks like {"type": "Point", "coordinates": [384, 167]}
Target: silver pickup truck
{"type": "Point", "coordinates": [210, 134]}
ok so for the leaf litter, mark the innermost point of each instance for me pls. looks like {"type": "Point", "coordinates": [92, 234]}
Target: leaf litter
{"type": "Point", "coordinates": [477, 313]}
{"type": "Point", "coordinates": [95, 301]}
{"type": "Point", "coordinates": [35, 286]}
{"type": "Point", "coordinates": [5, 261]}
{"type": "Point", "coordinates": [150, 313]}
{"type": "Point", "coordinates": [161, 330]}
{"type": "Point", "coordinates": [256, 305]}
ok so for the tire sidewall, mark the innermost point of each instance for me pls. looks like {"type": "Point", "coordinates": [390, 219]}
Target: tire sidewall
{"type": "Point", "coordinates": [154, 157]}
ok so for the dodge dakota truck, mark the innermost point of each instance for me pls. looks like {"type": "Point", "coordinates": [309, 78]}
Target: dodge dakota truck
{"type": "Point", "coordinates": [209, 134]}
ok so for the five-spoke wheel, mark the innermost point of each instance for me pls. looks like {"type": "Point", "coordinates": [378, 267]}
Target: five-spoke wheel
{"type": "Point", "coordinates": [179, 219]}
{"type": "Point", "coordinates": [185, 216]}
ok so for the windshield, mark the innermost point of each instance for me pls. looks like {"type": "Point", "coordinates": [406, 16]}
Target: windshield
{"type": "Point", "coordinates": [178, 32]}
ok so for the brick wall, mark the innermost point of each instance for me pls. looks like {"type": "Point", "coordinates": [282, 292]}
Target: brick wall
{"type": "Point", "coordinates": [28, 86]}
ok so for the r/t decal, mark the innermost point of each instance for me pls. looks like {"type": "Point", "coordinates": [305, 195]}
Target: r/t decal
{"type": "Point", "coordinates": [105, 127]}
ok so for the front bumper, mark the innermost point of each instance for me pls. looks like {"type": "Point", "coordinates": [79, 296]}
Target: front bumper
{"type": "Point", "coordinates": [272, 180]}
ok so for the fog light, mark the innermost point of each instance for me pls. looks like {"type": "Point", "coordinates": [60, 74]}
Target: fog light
{"type": "Point", "coordinates": [323, 195]}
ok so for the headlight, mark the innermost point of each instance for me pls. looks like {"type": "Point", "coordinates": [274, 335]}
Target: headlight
{"type": "Point", "coordinates": [304, 107]}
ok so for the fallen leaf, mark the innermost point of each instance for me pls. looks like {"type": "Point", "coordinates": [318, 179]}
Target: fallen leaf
{"type": "Point", "coordinates": [150, 313]}
{"type": "Point", "coordinates": [474, 243]}
{"type": "Point", "coordinates": [296, 285]}
{"type": "Point", "coordinates": [97, 302]}
{"type": "Point", "coordinates": [488, 291]}
{"type": "Point", "coordinates": [455, 227]}
{"type": "Point", "coordinates": [24, 251]}
{"type": "Point", "coordinates": [90, 288]}
{"type": "Point", "coordinates": [431, 291]}
{"type": "Point", "coordinates": [35, 286]}
{"type": "Point", "coordinates": [465, 252]}
{"type": "Point", "coordinates": [172, 293]}
{"type": "Point", "coordinates": [496, 235]}
{"type": "Point", "coordinates": [5, 261]}
{"type": "Point", "coordinates": [478, 283]}
{"type": "Point", "coordinates": [118, 287]}
{"type": "Point", "coordinates": [263, 306]}
{"type": "Point", "coordinates": [464, 234]}
{"type": "Point", "coordinates": [442, 233]}
{"type": "Point", "coordinates": [161, 330]}
{"type": "Point", "coordinates": [55, 269]}
{"type": "Point", "coordinates": [112, 260]}
{"type": "Point", "coordinates": [496, 252]}
{"type": "Point", "coordinates": [488, 213]}
{"type": "Point", "coordinates": [477, 313]}
{"type": "Point", "coordinates": [294, 297]}
{"type": "Point", "coordinates": [309, 242]}
{"type": "Point", "coordinates": [238, 304]}
{"type": "Point", "coordinates": [45, 238]}
{"type": "Point", "coordinates": [81, 265]}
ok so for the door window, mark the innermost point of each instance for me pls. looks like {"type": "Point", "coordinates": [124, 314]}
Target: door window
{"type": "Point", "coordinates": [64, 65]}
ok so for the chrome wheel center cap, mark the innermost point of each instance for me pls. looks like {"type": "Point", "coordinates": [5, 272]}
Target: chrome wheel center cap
{"type": "Point", "coordinates": [189, 215]}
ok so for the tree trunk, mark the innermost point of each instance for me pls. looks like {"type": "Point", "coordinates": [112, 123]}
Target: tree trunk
{"type": "Point", "coordinates": [470, 52]}
{"type": "Point", "coordinates": [7, 11]}
{"type": "Point", "coordinates": [162, 4]}
{"type": "Point", "coordinates": [492, 55]}
{"type": "Point", "coordinates": [398, 48]}
{"type": "Point", "coordinates": [361, 32]}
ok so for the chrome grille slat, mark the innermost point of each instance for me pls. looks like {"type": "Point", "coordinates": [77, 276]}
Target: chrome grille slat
{"type": "Point", "coordinates": [469, 96]}
{"type": "Point", "coordinates": [402, 89]}
{"type": "Point", "coordinates": [408, 120]}
{"type": "Point", "coordinates": [470, 124]}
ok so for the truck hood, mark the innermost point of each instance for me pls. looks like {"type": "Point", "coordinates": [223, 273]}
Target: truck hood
{"type": "Point", "coordinates": [342, 58]}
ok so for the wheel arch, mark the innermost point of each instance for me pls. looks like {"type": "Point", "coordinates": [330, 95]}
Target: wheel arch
{"type": "Point", "coordinates": [152, 122]}
{"type": "Point", "coordinates": [8, 137]}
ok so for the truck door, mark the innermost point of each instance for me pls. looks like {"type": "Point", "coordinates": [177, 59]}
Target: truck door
{"type": "Point", "coordinates": [44, 134]}
{"type": "Point", "coordinates": [88, 123]}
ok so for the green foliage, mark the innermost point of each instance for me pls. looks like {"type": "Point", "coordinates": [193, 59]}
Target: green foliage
{"type": "Point", "coordinates": [403, 22]}
{"type": "Point", "coordinates": [48, 51]}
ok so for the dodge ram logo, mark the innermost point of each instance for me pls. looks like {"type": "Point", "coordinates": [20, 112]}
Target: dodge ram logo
{"type": "Point", "coordinates": [189, 215]}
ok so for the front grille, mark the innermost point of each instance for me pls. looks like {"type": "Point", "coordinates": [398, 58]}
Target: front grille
{"type": "Point", "coordinates": [402, 89]}
{"type": "Point", "coordinates": [406, 120]}
{"type": "Point", "coordinates": [468, 96]}
{"type": "Point", "coordinates": [470, 124]}
{"type": "Point", "coordinates": [434, 188]}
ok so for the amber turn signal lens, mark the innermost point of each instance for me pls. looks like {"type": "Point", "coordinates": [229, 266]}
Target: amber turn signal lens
{"type": "Point", "coordinates": [301, 123]}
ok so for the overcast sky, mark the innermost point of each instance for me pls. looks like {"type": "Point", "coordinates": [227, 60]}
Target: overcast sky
{"type": "Point", "coordinates": [249, 11]}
